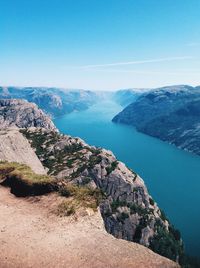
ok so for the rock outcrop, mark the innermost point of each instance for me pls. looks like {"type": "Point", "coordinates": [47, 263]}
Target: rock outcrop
{"type": "Point", "coordinates": [20, 113]}
{"type": "Point", "coordinates": [170, 114]}
{"type": "Point", "coordinates": [14, 147]}
{"type": "Point", "coordinates": [128, 210]}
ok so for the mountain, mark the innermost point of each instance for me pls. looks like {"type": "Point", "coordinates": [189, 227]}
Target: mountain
{"type": "Point", "coordinates": [171, 114]}
{"type": "Point", "coordinates": [20, 113]}
{"type": "Point", "coordinates": [126, 96]}
{"type": "Point", "coordinates": [54, 101]}
{"type": "Point", "coordinates": [86, 177]}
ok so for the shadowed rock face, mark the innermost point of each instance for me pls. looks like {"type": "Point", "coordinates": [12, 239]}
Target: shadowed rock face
{"type": "Point", "coordinates": [22, 114]}
{"type": "Point", "coordinates": [170, 114]}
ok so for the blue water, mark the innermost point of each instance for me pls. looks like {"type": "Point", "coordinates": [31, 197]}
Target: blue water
{"type": "Point", "coordinates": [171, 175]}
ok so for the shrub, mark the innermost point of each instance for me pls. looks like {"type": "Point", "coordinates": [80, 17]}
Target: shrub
{"type": "Point", "coordinates": [112, 167]}
{"type": "Point", "coordinates": [165, 244]}
{"type": "Point", "coordinates": [122, 216]}
{"type": "Point", "coordinates": [151, 201]}
{"type": "Point", "coordinates": [117, 203]}
{"type": "Point", "coordinates": [66, 208]}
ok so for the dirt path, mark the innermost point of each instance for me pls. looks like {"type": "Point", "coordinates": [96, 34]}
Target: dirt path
{"type": "Point", "coordinates": [32, 236]}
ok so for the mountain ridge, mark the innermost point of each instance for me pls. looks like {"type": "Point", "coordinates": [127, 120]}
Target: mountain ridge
{"type": "Point", "coordinates": [169, 113]}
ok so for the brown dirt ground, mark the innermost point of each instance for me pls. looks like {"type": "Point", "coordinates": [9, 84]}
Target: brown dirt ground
{"type": "Point", "coordinates": [31, 235]}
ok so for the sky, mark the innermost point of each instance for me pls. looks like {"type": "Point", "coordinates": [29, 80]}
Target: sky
{"type": "Point", "coordinates": [99, 44]}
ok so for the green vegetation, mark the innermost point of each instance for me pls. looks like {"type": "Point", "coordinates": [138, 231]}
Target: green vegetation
{"type": "Point", "coordinates": [53, 159]}
{"type": "Point", "coordinates": [151, 201]}
{"type": "Point", "coordinates": [134, 208]}
{"type": "Point", "coordinates": [166, 244]}
{"type": "Point", "coordinates": [112, 167]}
{"type": "Point", "coordinates": [23, 181]}
{"type": "Point", "coordinates": [122, 216]}
{"type": "Point", "coordinates": [57, 159]}
{"type": "Point", "coordinates": [86, 180]}
{"type": "Point", "coordinates": [117, 203]}
{"type": "Point", "coordinates": [94, 160]}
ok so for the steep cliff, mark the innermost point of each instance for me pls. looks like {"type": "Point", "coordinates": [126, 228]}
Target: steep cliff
{"type": "Point", "coordinates": [170, 114]}
{"type": "Point", "coordinates": [129, 212]}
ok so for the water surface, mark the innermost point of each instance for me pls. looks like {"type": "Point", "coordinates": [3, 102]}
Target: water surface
{"type": "Point", "coordinates": [171, 175]}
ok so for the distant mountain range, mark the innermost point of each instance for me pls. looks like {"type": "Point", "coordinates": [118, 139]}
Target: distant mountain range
{"type": "Point", "coordinates": [54, 101]}
{"type": "Point", "coordinates": [171, 114]}
{"type": "Point", "coordinates": [126, 96]}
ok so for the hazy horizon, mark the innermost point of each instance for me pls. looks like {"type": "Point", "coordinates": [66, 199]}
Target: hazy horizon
{"type": "Point", "coordinates": [100, 90]}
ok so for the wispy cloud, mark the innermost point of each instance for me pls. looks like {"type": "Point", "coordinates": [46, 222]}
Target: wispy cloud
{"type": "Point", "coordinates": [137, 62]}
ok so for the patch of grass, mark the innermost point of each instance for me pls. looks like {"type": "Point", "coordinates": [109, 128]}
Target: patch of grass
{"type": "Point", "coordinates": [82, 196]}
{"type": "Point", "coordinates": [66, 208]}
{"type": "Point", "coordinates": [23, 181]}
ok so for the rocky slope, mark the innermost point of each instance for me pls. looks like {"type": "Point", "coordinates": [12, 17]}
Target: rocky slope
{"type": "Point", "coordinates": [170, 114]}
{"type": "Point", "coordinates": [54, 101]}
{"type": "Point", "coordinates": [129, 212]}
{"type": "Point", "coordinates": [21, 114]}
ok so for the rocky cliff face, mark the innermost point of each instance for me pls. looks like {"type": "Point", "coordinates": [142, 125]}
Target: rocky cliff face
{"type": "Point", "coordinates": [22, 114]}
{"type": "Point", "coordinates": [128, 210]}
{"type": "Point", "coordinates": [170, 114]}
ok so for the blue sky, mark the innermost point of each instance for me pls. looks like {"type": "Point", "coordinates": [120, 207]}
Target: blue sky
{"type": "Point", "coordinates": [99, 44]}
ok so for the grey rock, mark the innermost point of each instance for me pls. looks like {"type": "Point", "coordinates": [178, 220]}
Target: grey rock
{"type": "Point", "coordinates": [23, 114]}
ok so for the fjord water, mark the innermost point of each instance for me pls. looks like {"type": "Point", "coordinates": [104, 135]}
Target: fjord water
{"type": "Point", "coordinates": [171, 175]}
